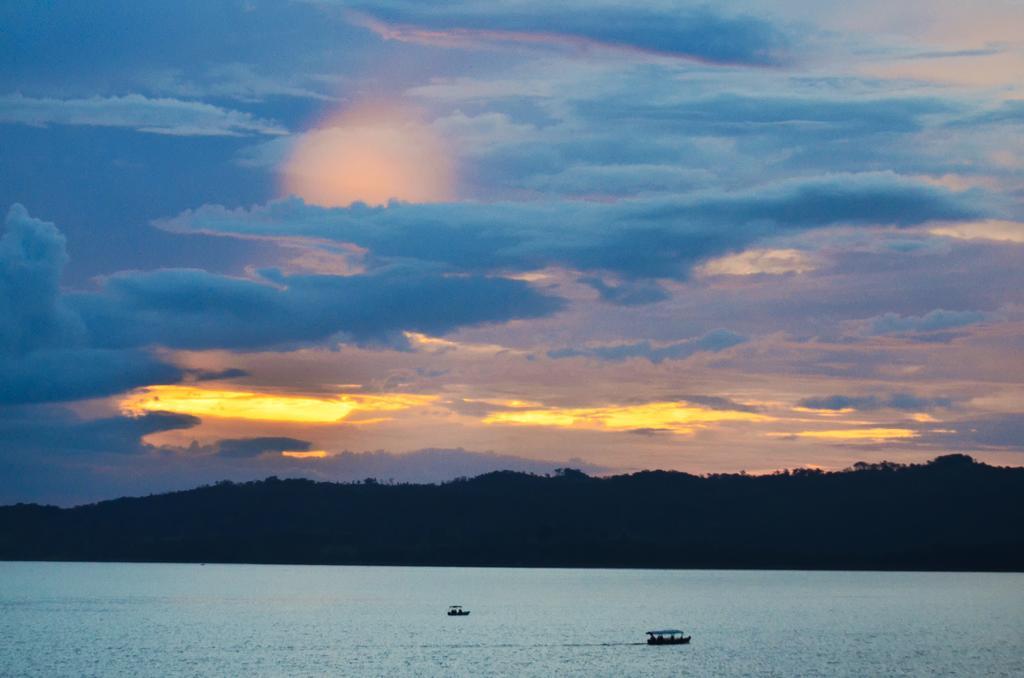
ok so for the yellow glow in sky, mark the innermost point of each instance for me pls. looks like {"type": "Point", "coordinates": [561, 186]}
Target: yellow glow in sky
{"type": "Point", "coordinates": [308, 454]}
{"type": "Point", "coordinates": [371, 153]}
{"type": "Point", "coordinates": [673, 416]}
{"type": "Point", "coordinates": [250, 405]}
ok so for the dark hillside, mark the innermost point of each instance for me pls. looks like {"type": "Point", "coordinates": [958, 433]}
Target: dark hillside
{"type": "Point", "coordinates": [949, 514]}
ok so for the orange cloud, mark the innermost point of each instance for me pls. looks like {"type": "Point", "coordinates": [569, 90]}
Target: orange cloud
{"type": "Point", "coordinates": [671, 416]}
{"type": "Point", "coordinates": [250, 405]}
{"type": "Point", "coordinates": [371, 153]}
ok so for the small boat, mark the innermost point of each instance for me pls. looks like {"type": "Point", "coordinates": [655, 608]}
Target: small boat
{"type": "Point", "coordinates": [667, 637]}
{"type": "Point", "coordinates": [457, 611]}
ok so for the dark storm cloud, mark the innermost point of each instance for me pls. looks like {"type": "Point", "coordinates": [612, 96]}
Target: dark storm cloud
{"type": "Point", "coordinates": [58, 346]}
{"type": "Point", "coordinates": [49, 431]}
{"type": "Point", "coordinates": [254, 447]}
{"type": "Point", "coordinates": [198, 310]}
{"type": "Point", "coordinates": [49, 453]}
{"type": "Point", "coordinates": [32, 256]}
{"type": "Point", "coordinates": [650, 238]}
{"type": "Point", "coordinates": [713, 341]}
{"type": "Point", "coordinates": [55, 375]}
{"type": "Point", "coordinates": [45, 354]}
{"type": "Point", "coordinates": [897, 401]}
{"type": "Point", "coordinates": [702, 33]}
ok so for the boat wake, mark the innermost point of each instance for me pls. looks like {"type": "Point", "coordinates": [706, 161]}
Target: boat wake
{"type": "Point", "coordinates": [478, 645]}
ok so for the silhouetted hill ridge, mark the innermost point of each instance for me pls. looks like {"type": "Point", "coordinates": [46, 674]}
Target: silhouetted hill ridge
{"type": "Point", "coordinates": [949, 514]}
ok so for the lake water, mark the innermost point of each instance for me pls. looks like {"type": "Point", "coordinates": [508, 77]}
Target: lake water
{"type": "Point", "coordinates": [85, 619]}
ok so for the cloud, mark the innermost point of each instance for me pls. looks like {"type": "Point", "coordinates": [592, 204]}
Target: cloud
{"type": "Point", "coordinates": [270, 406]}
{"type": "Point", "coordinates": [32, 257]}
{"type": "Point", "coordinates": [697, 33]}
{"type": "Point", "coordinates": [173, 117]}
{"type": "Point", "coordinates": [992, 229]}
{"type": "Point", "coordinates": [58, 345]}
{"type": "Point", "coordinates": [998, 432]}
{"type": "Point", "coordinates": [627, 293]}
{"type": "Point", "coordinates": [661, 237]}
{"type": "Point", "coordinates": [955, 53]}
{"type": "Point", "coordinates": [713, 342]}
{"type": "Point", "coordinates": [896, 401]}
{"type": "Point", "coordinates": [718, 403]}
{"type": "Point", "coordinates": [860, 435]}
{"type": "Point", "coordinates": [72, 374]}
{"type": "Point", "coordinates": [677, 417]}
{"type": "Point", "coordinates": [45, 354]}
{"type": "Point", "coordinates": [939, 319]}
{"type": "Point", "coordinates": [601, 134]}
{"type": "Point", "coordinates": [742, 115]}
{"type": "Point", "coordinates": [217, 375]}
{"type": "Point", "coordinates": [1008, 112]}
{"type": "Point", "coordinates": [254, 447]}
{"type": "Point", "coordinates": [193, 309]}
{"type": "Point", "coordinates": [760, 262]}
{"type": "Point", "coordinates": [235, 80]}
{"type": "Point", "coordinates": [619, 179]}
{"type": "Point", "coordinates": [48, 431]}
{"type": "Point", "coordinates": [649, 431]}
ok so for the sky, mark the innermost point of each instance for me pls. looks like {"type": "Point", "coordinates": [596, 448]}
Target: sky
{"type": "Point", "coordinates": [415, 241]}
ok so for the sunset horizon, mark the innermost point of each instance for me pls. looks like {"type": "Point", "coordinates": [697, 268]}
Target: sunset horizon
{"type": "Point", "coordinates": [522, 338]}
{"type": "Point", "coordinates": [670, 237]}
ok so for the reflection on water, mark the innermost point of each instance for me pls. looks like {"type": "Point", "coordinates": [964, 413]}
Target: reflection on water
{"type": "Point", "coordinates": [230, 620]}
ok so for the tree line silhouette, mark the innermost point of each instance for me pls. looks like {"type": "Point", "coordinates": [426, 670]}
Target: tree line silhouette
{"type": "Point", "coordinates": [951, 513]}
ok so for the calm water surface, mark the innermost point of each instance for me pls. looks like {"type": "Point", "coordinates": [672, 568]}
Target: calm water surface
{"type": "Point", "coordinates": [84, 619]}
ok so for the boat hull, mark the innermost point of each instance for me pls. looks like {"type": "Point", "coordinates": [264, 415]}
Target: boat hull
{"type": "Point", "coordinates": [685, 640]}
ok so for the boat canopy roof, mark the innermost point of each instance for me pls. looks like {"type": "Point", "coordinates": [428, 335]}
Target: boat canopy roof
{"type": "Point", "coordinates": [665, 632]}
{"type": "Point", "coordinates": [454, 606]}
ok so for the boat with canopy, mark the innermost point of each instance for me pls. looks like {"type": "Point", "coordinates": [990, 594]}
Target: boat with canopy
{"type": "Point", "coordinates": [667, 637]}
